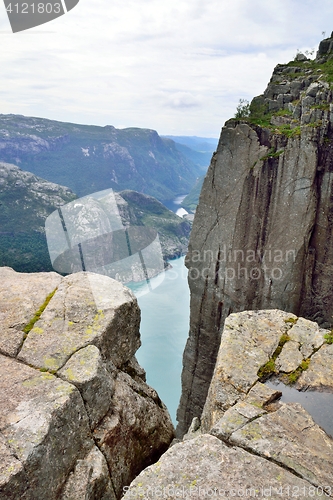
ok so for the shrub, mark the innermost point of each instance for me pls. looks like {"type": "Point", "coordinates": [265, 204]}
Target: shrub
{"type": "Point", "coordinates": [243, 109]}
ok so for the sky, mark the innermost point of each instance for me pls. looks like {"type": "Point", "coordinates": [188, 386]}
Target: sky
{"type": "Point", "coordinates": [178, 67]}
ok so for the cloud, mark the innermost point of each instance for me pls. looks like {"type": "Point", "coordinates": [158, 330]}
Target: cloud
{"type": "Point", "coordinates": [179, 67]}
{"type": "Point", "coordinates": [182, 100]}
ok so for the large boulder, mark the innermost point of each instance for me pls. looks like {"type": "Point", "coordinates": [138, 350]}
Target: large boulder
{"type": "Point", "coordinates": [205, 467]}
{"type": "Point", "coordinates": [77, 419]}
{"type": "Point", "coordinates": [251, 443]}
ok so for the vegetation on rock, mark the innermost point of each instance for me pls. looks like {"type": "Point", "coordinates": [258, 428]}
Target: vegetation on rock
{"type": "Point", "coordinates": [269, 368]}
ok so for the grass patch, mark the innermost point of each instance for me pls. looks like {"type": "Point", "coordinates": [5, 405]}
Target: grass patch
{"type": "Point", "coordinates": [283, 112]}
{"type": "Point", "coordinates": [38, 314]}
{"type": "Point", "coordinates": [272, 154]}
{"type": "Point", "coordinates": [324, 106]}
{"type": "Point", "coordinates": [259, 115]}
{"type": "Point", "coordinates": [287, 130]}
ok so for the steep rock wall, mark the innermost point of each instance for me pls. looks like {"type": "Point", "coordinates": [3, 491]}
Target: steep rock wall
{"type": "Point", "coordinates": [262, 234]}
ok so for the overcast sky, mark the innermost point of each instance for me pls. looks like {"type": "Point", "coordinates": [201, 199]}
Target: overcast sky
{"type": "Point", "coordinates": [179, 66]}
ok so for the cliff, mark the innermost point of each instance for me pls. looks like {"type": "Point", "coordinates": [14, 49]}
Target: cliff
{"type": "Point", "coordinates": [251, 443]}
{"type": "Point", "coordinates": [262, 234]}
{"type": "Point", "coordinates": [77, 419]}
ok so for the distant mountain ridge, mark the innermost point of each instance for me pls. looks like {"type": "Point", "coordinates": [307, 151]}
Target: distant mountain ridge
{"type": "Point", "coordinates": [92, 158]}
{"type": "Point", "coordinates": [197, 149]}
{"type": "Point", "coordinates": [27, 200]}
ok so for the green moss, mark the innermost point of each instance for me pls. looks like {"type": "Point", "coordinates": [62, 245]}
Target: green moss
{"type": "Point", "coordinates": [292, 377]}
{"type": "Point", "coordinates": [329, 337]}
{"type": "Point", "coordinates": [283, 340]}
{"type": "Point", "coordinates": [293, 321]}
{"type": "Point", "coordinates": [269, 368]}
{"type": "Point", "coordinates": [38, 314]}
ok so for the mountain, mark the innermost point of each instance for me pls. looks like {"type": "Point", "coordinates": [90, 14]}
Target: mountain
{"type": "Point", "coordinates": [90, 158]}
{"type": "Point", "coordinates": [143, 210]}
{"type": "Point", "coordinates": [191, 201]}
{"type": "Point", "coordinates": [262, 235]}
{"type": "Point", "coordinates": [27, 200]}
{"type": "Point", "coordinates": [197, 149]}
{"type": "Point", "coordinates": [202, 144]}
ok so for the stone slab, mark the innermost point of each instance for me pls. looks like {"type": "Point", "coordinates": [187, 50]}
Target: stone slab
{"type": "Point", "coordinates": [21, 295]}
{"type": "Point", "coordinates": [86, 309]}
{"type": "Point", "coordinates": [319, 375]}
{"type": "Point", "coordinates": [40, 417]}
{"type": "Point", "coordinates": [205, 467]}
{"type": "Point", "coordinates": [290, 437]}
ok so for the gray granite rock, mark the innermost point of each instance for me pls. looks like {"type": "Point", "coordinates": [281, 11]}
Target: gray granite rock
{"type": "Point", "coordinates": [90, 479]}
{"type": "Point", "coordinates": [21, 295]}
{"type": "Point", "coordinates": [44, 429]}
{"type": "Point", "coordinates": [126, 443]}
{"type": "Point", "coordinates": [262, 236]}
{"type": "Point", "coordinates": [290, 437]}
{"type": "Point", "coordinates": [85, 370]}
{"type": "Point", "coordinates": [319, 375]}
{"type": "Point", "coordinates": [86, 309]}
{"type": "Point", "coordinates": [74, 377]}
{"type": "Point", "coordinates": [308, 335]}
{"type": "Point", "coordinates": [290, 357]}
{"type": "Point", "coordinates": [205, 467]}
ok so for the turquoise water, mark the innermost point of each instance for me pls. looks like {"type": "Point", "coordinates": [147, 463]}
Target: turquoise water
{"type": "Point", "coordinates": [164, 329]}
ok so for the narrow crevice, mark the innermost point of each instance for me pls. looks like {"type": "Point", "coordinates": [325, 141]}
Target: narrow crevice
{"type": "Point", "coordinates": [30, 325]}
{"type": "Point", "coordinates": [279, 464]}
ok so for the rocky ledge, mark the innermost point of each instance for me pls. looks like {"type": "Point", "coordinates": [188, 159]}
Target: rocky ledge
{"type": "Point", "coordinates": [77, 419]}
{"type": "Point", "coordinates": [250, 444]}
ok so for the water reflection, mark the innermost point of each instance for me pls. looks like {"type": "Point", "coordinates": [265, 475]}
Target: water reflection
{"type": "Point", "coordinates": [318, 404]}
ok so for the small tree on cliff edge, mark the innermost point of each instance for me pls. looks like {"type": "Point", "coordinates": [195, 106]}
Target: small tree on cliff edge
{"type": "Point", "coordinates": [243, 109]}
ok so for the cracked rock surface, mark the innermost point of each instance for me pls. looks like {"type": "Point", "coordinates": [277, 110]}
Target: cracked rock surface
{"type": "Point", "coordinates": [249, 440]}
{"type": "Point", "coordinates": [205, 467]}
{"type": "Point", "coordinates": [77, 419]}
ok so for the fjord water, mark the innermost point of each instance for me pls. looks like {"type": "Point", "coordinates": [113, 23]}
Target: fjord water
{"type": "Point", "coordinates": [164, 329]}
